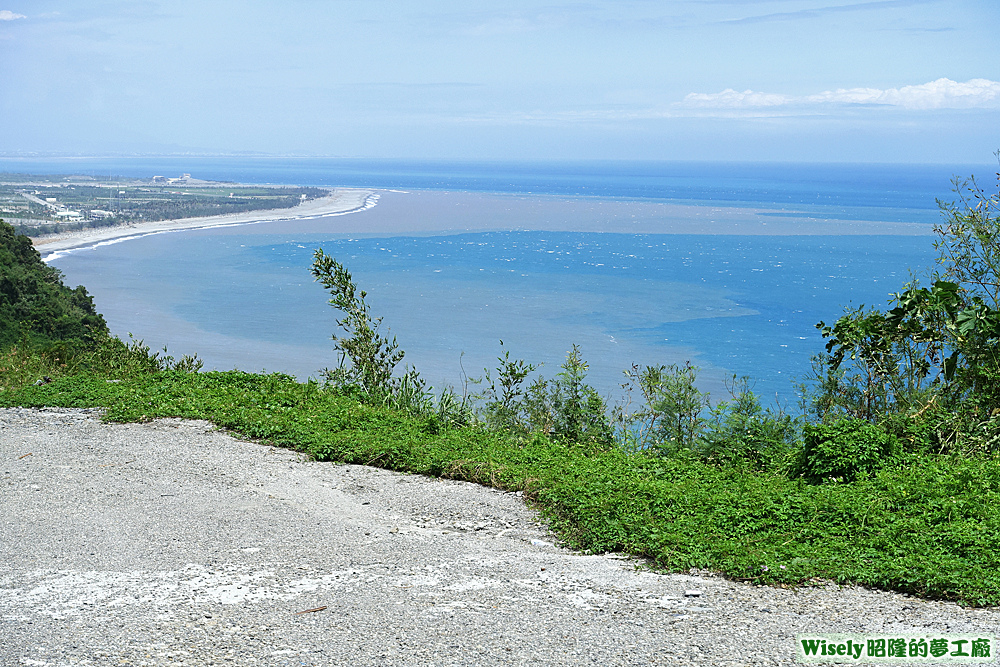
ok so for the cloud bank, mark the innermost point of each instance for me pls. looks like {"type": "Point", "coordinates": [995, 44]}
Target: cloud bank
{"type": "Point", "coordinates": [939, 94]}
{"type": "Point", "coordinates": [7, 15]}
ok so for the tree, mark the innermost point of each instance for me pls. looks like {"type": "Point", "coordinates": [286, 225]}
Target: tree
{"type": "Point", "coordinates": [936, 347]}
{"type": "Point", "coordinates": [968, 242]}
{"type": "Point", "coordinates": [372, 357]}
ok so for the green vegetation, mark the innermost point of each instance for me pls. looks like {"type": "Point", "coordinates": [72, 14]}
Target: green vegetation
{"type": "Point", "coordinates": [889, 478]}
{"type": "Point", "coordinates": [928, 370]}
{"type": "Point", "coordinates": [372, 357]}
{"type": "Point", "coordinates": [41, 204]}
{"type": "Point", "coordinates": [34, 304]}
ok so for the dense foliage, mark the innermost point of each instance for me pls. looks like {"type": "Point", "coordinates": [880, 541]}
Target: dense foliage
{"type": "Point", "coordinates": [34, 303]}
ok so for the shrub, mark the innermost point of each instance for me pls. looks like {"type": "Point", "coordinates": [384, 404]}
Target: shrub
{"type": "Point", "coordinates": [741, 432]}
{"type": "Point", "coordinates": [937, 347]}
{"type": "Point", "coordinates": [372, 357]}
{"type": "Point", "coordinates": [568, 408]}
{"type": "Point", "coordinates": [505, 406]}
{"type": "Point", "coordinates": [670, 417]}
{"type": "Point", "coordinates": [844, 450]}
{"type": "Point", "coordinates": [579, 411]}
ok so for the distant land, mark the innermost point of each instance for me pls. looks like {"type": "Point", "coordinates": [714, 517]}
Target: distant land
{"type": "Point", "coordinates": [55, 204]}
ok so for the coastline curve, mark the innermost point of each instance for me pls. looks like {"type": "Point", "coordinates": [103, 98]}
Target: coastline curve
{"type": "Point", "coordinates": [339, 201]}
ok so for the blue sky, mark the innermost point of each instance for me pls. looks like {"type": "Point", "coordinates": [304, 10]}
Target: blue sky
{"type": "Point", "coordinates": [814, 80]}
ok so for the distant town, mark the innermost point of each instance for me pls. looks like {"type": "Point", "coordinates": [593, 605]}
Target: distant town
{"type": "Point", "coordinates": [38, 205]}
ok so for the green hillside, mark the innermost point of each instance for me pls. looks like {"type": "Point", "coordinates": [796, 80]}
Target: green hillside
{"type": "Point", "coordinates": [35, 303]}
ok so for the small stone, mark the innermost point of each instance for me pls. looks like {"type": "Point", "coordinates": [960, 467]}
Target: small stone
{"type": "Point", "coordinates": [692, 594]}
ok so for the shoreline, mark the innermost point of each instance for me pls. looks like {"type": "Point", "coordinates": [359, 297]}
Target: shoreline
{"type": "Point", "coordinates": [588, 214]}
{"type": "Point", "coordinates": [339, 201]}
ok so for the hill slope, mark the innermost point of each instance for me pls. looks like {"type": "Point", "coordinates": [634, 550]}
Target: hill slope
{"type": "Point", "coordinates": [34, 301]}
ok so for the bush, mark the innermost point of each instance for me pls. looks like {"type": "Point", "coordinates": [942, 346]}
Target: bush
{"type": "Point", "coordinates": [741, 432]}
{"type": "Point", "coordinates": [844, 450]}
{"type": "Point", "coordinates": [505, 406]}
{"type": "Point", "coordinates": [106, 356]}
{"type": "Point", "coordinates": [578, 410]}
{"type": "Point", "coordinates": [372, 357]}
{"type": "Point", "coordinates": [670, 415]}
{"type": "Point", "coordinates": [566, 407]}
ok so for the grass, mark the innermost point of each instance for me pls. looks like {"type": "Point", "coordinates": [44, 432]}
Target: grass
{"type": "Point", "coordinates": [924, 526]}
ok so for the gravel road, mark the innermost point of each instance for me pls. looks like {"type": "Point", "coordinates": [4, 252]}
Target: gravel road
{"type": "Point", "coordinates": [172, 543]}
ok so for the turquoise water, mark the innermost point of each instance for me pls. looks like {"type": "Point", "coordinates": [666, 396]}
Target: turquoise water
{"type": "Point", "coordinates": [532, 269]}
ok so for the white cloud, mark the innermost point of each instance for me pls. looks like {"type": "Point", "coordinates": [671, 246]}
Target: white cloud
{"type": "Point", "coordinates": [940, 94]}
{"type": "Point", "coordinates": [7, 15]}
{"type": "Point", "coordinates": [731, 99]}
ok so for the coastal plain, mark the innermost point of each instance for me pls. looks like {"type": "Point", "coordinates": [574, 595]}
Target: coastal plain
{"type": "Point", "coordinates": [173, 543]}
{"type": "Point", "coordinates": [338, 201]}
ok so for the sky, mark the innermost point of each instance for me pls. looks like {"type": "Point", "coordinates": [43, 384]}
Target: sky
{"type": "Point", "coordinates": [772, 80]}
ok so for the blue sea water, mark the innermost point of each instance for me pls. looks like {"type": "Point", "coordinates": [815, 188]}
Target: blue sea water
{"type": "Point", "coordinates": [744, 304]}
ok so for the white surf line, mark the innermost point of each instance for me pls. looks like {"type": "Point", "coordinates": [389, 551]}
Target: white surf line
{"type": "Point", "coordinates": [369, 202]}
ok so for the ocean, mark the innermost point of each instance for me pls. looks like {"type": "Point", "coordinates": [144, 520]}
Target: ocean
{"type": "Point", "coordinates": [728, 266]}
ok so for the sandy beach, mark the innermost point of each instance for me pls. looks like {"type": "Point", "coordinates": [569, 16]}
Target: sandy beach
{"type": "Point", "coordinates": [339, 201]}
